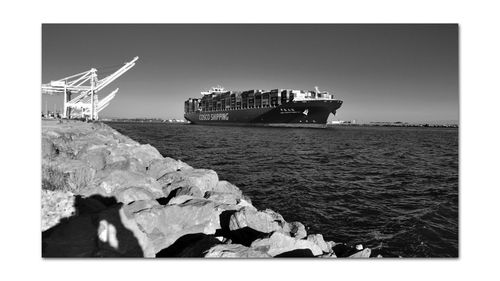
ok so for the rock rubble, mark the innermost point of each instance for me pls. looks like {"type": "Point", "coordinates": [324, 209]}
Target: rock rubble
{"type": "Point", "coordinates": [105, 195]}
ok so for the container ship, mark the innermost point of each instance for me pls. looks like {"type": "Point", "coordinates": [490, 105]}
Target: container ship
{"type": "Point", "coordinates": [278, 107]}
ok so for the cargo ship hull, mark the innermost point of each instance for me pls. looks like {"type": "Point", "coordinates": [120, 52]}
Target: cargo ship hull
{"type": "Point", "coordinates": [311, 114]}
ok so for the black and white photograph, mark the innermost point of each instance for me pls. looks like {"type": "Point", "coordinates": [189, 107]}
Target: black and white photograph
{"type": "Point", "coordinates": [250, 140]}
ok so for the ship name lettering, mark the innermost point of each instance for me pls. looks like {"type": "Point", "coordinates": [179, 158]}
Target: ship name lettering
{"type": "Point", "coordinates": [204, 117]}
{"type": "Point", "coordinates": [220, 116]}
{"type": "Point", "coordinates": [213, 117]}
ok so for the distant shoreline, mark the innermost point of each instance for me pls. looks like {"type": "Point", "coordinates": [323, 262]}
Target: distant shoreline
{"type": "Point", "coordinates": [381, 124]}
{"type": "Point", "coordinates": [397, 125]}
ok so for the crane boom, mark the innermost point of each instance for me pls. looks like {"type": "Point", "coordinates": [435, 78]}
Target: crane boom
{"type": "Point", "coordinates": [84, 87]}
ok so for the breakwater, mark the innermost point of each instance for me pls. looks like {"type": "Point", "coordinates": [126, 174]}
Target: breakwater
{"type": "Point", "coordinates": [105, 195]}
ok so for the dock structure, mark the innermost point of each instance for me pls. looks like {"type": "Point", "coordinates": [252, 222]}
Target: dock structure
{"type": "Point", "coordinates": [80, 99]}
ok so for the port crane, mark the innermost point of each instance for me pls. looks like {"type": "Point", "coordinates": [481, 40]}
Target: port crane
{"type": "Point", "coordinates": [80, 92]}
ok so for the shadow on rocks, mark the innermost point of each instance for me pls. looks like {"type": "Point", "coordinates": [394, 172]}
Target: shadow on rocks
{"type": "Point", "coordinates": [244, 236]}
{"type": "Point", "coordinates": [164, 200]}
{"type": "Point", "coordinates": [96, 230]}
{"type": "Point", "coordinates": [342, 250]}
{"type": "Point", "coordinates": [298, 253]}
{"type": "Point", "coordinates": [189, 245]}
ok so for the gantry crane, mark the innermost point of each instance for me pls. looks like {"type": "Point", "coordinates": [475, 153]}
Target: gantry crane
{"type": "Point", "coordinates": [80, 92]}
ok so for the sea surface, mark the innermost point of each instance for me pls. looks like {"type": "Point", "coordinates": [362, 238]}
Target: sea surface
{"type": "Point", "coordinates": [392, 189]}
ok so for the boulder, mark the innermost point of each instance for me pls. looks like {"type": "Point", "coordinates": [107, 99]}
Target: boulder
{"type": "Point", "coordinates": [222, 197]}
{"type": "Point", "coordinates": [123, 149]}
{"type": "Point", "coordinates": [251, 218]}
{"type": "Point", "coordinates": [227, 187]}
{"type": "Point", "coordinates": [91, 140]}
{"type": "Point", "coordinates": [77, 146]}
{"type": "Point", "coordinates": [137, 166]}
{"type": "Point", "coordinates": [95, 158]}
{"type": "Point", "coordinates": [192, 179]}
{"type": "Point", "coordinates": [122, 157]}
{"type": "Point", "coordinates": [234, 251]}
{"type": "Point", "coordinates": [192, 191]}
{"type": "Point", "coordinates": [122, 139]}
{"type": "Point", "coordinates": [117, 162]}
{"type": "Point", "coordinates": [190, 245]}
{"type": "Point", "coordinates": [130, 209]}
{"type": "Point", "coordinates": [97, 147]}
{"type": "Point", "coordinates": [297, 230]}
{"type": "Point", "coordinates": [131, 194]}
{"type": "Point", "coordinates": [118, 180]}
{"type": "Point", "coordinates": [165, 224]}
{"type": "Point", "coordinates": [318, 240]}
{"type": "Point", "coordinates": [331, 244]}
{"type": "Point", "coordinates": [130, 224]}
{"type": "Point", "coordinates": [276, 217]}
{"type": "Point", "coordinates": [328, 255]}
{"type": "Point", "coordinates": [365, 253]}
{"type": "Point", "coordinates": [245, 203]}
{"type": "Point", "coordinates": [145, 154]}
{"type": "Point", "coordinates": [159, 167]}
{"type": "Point", "coordinates": [51, 134]}
{"type": "Point", "coordinates": [180, 199]}
{"type": "Point", "coordinates": [280, 243]}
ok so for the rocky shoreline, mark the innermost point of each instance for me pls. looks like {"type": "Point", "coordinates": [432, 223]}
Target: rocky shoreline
{"type": "Point", "coordinates": [105, 195]}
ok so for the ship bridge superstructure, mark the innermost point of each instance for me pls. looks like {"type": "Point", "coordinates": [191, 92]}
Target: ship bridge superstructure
{"type": "Point", "coordinates": [214, 90]}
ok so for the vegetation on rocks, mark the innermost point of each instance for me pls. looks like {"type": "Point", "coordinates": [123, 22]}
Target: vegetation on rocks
{"type": "Point", "coordinates": [105, 195]}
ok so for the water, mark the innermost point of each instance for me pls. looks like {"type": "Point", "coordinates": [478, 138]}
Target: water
{"type": "Point", "coordinates": [392, 189]}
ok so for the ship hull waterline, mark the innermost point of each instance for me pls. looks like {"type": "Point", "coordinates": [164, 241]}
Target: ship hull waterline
{"type": "Point", "coordinates": [297, 114]}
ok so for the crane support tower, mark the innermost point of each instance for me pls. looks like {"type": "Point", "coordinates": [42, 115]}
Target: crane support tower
{"type": "Point", "coordinates": [80, 92]}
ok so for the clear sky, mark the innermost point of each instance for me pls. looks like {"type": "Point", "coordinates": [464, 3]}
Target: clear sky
{"type": "Point", "coordinates": [381, 72]}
